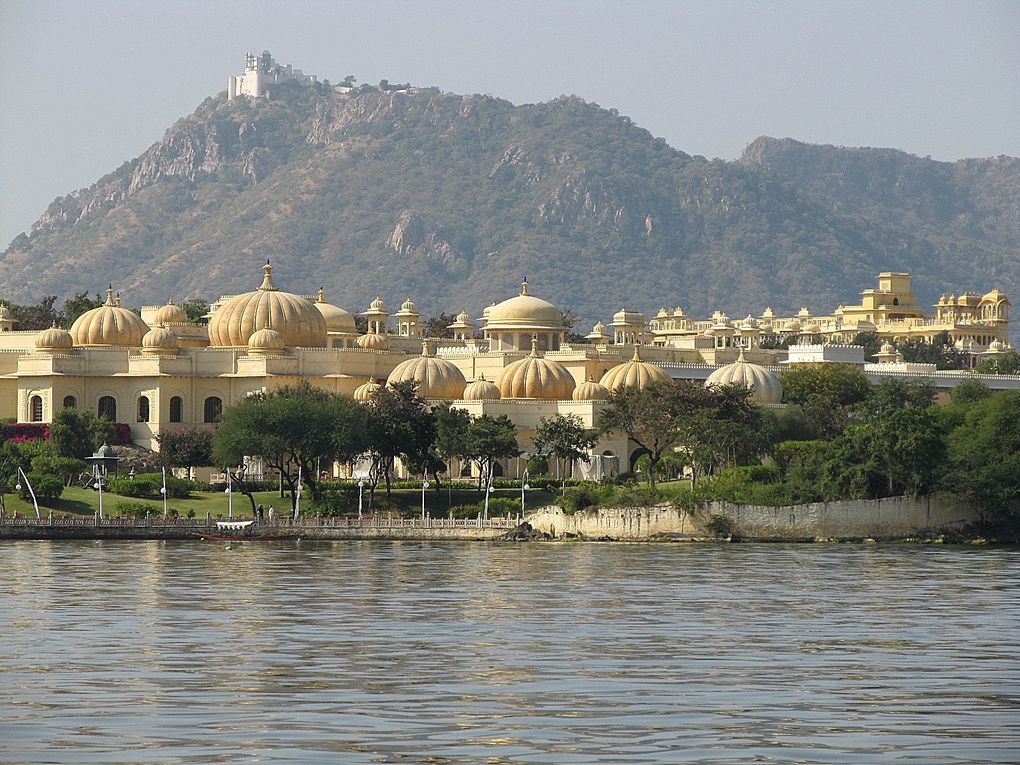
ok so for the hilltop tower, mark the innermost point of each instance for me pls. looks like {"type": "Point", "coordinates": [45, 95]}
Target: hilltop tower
{"type": "Point", "coordinates": [260, 72]}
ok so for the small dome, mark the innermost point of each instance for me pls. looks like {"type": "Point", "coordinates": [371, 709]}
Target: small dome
{"type": "Point", "coordinates": [241, 316]}
{"type": "Point", "coordinates": [373, 342]}
{"type": "Point", "coordinates": [590, 390]}
{"type": "Point", "coordinates": [367, 391]}
{"type": "Point", "coordinates": [5, 313]}
{"type": "Point", "coordinates": [336, 318]}
{"type": "Point", "coordinates": [524, 311]}
{"type": "Point", "coordinates": [481, 390]}
{"type": "Point", "coordinates": [377, 304]}
{"type": "Point", "coordinates": [812, 328]}
{"type": "Point", "coordinates": [463, 318]}
{"type": "Point", "coordinates": [634, 374]}
{"type": "Point", "coordinates": [109, 324]}
{"type": "Point", "coordinates": [887, 349]}
{"type": "Point", "coordinates": [408, 306]}
{"type": "Point", "coordinates": [599, 327]}
{"type": "Point", "coordinates": [995, 346]}
{"type": "Point", "coordinates": [170, 314]}
{"type": "Point", "coordinates": [266, 341]}
{"type": "Point", "coordinates": [53, 339]}
{"type": "Point", "coordinates": [750, 321]}
{"type": "Point", "coordinates": [765, 386]}
{"type": "Point", "coordinates": [535, 377]}
{"type": "Point", "coordinates": [437, 378]}
{"type": "Point", "coordinates": [159, 340]}
{"type": "Point", "coordinates": [793, 326]}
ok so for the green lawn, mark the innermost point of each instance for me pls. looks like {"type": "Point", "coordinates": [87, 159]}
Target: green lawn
{"type": "Point", "coordinates": [78, 501]}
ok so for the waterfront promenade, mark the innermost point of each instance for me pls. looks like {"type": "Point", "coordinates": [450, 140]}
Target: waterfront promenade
{"type": "Point", "coordinates": [310, 527]}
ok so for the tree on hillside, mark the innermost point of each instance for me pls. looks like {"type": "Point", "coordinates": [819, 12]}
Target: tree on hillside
{"type": "Point", "coordinates": [565, 438]}
{"type": "Point", "coordinates": [295, 430]}
{"type": "Point", "coordinates": [33, 317]}
{"type": "Point", "coordinates": [195, 308]}
{"type": "Point", "coordinates": [77, 305]}
{"type": "Point", "coordinates": [438, 326]}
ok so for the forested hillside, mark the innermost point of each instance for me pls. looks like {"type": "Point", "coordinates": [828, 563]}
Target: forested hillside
{"type": "Point", "coordinates": [452, 199]}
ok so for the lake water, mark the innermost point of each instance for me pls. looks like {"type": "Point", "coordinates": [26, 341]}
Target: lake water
{"type": "Point", "coordinates": [375, 652]}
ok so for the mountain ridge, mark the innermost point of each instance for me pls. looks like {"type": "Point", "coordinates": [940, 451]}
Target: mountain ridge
{"type": "Point", "coordinates": [451, 199]}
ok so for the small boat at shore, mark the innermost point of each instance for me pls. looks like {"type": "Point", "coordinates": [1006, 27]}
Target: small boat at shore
{"type": "Point", "coordinates": [243, 531]}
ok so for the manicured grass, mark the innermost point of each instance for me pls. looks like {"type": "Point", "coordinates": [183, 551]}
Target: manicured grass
{"type": "Point", "coordinates": [78, 501]}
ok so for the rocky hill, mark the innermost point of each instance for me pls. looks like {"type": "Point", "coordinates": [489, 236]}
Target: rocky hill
{"type": "Point", "coordinates": [452, 199]}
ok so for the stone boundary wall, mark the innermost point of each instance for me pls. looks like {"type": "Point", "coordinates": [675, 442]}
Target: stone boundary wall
{"type": "Point", "coordinates": [891, 518]}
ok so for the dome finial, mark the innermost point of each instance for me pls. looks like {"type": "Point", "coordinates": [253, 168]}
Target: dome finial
{"type": "Point", "coordinates": [267, 279]}
{"type": "Point", "coordinates": [428, 349]}
{"type": "Point", "coordinates": [740, 355]}
{"type": "Point", "coordinates": [322, 295]}
{"type": "Point", "coordinates": [524, 286]}
{"type": "Point", "coordinates": [109, 294]}
{"type": "Point", "coordinates": [637, 352]}
{"type": "Point", "coordinates": [534, 344]}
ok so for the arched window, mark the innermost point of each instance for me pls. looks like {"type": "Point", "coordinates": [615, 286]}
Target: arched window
{"type": "Point", "coordinates": [35, 409]}
{"type": "Point", "coordinates": [70, 402]}
{"type": "Point", "coordinates": [108, 408]}
{"type": "Point", "coordinates": [213, 409]}
{"type": "Point", "coordinates": [176, 409]}
{"type": "Point", "coordinates": [143, 409]}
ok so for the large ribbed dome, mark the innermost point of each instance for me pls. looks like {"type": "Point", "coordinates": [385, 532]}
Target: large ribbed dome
{"type": "Point", "coordinates": [170, 314]}
{"type": "Point", "coordinates": [159, 341]}
{"type": "Point", "coordinates": [109, 324]}
{"type": "Point", "coordinates": [367, 391]}
{"type": "Point", "coordinates": [54, 339]}
{"type": "Point", "coordinates": [437, 378]}
{"type": "Point", "coordinates": [634, 374]}
{"type": "Point", "coordinates": [293, 316]}
{"type": "Point", "coordinates": [523, 312]}
{"type": "Point", "coordinates": [535, 377]}
{"type": "Point", "coordinates": [337, 319]}
{"type": "Point", "coordinates": [590, 390]}
{"type": "Point", "coordinates": [373, 342]}
{"type": "Point", "coordinates": [481, 390]}
{"type": "Point", "coordinates": [765, 386]}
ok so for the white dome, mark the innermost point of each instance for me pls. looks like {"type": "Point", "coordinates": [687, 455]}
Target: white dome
{"type": "Point", "coordinates": [109, 324]}
{"type": "Point", "coordinates": [336, 318]}
{"type": "Point", "coordinates": [367, 391]}
{"type": "Point", "coordinates": [54, 339]}
{"type": "Point", "coordinates": [481, 390]}
{"type": "Point", "coordinates": [373, 342]}
{"type": "Point", "coordinates": [634, 374]}
{"type": "Point", "coordinates": [765, 386]}
{"type": "Point", "coordinates": [294, 317]}
{"type": "Point", "coordinates": [437, 378]}
{"type": "Point", "coordinates": [535, 377]}
{"type": "Point", "coordinates": [590, 390]}
{"type": "Point", "coordinates": [170, 314]}
{"type": "Point", "coordinates": [159, 340]}
{"type": "Point", "coordinates": [523, 312]}
{"type": "Point", "coordinates": [267, 340]}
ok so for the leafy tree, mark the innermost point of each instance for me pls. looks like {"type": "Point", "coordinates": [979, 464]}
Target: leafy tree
{"type": "Point", "coordinates": [969, 392]}
{"type": "Point", "coordinates": [195, 308]}
{"type": "Point", "coordinates": [185, 448]}
{"type": "Point", "coordinates": [869, 342]}
{"type": "Point", "coordinates": [940, 351]}
{"type": "Point", "coordinates": [1004, 364]}
{"type": "Point", "coordinates": [451, 440]}
{"type": "Point", "coordinates": [294, 430]}
{"type": "Point", "coordinates": [10, 460]}
{"type": "Point", "coordinates": [565, 438]}
{"type": "Point", "coordinates": [489, 439]}
{"type": "Point", "coordinates": [825, 393]}
{"type": "Point", "coordinates": [399, 424]}
{"type": "Point", "coordinates": [77, 305]}
{"type": "Point", "coordinates": [33, 317]}
{"type": "Point", "coordinates": [984, 456]}
{"type": "Point", "coordinates": [439, 326]}
{"type": "Point", "coordinates": [79, 434]}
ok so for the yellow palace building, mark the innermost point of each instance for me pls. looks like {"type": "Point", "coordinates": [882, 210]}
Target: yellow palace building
{"type": "Point", "coordinates": [158, 372]}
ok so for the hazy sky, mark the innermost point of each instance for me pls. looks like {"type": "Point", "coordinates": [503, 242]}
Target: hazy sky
{"type": "Point", "coordinates": [88, 85]}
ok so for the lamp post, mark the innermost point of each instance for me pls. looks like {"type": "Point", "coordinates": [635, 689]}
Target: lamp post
{"type": "Point", "coordinates": [488, 491]}
{"type": "Point", "coordinates": [524, 488]}
{"type": "Point", "coordinates": [361, 488]}
{"type": "Point", "coordinates": [35, 502]}
{"type": "Point", "coordinates": [230, 496]}
{"type": "Point", "coordinates": [424, 486]}
{"type": "Point", "coordinates": [99, 486]}
{"type": "Point", "coordinates": [163, 492]}
{"type": "Point", "coordinates": [297, 495]}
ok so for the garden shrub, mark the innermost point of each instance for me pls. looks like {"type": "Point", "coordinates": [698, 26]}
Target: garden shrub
{"type": "Point", "coordinates": [47, 488]}
{"type": "Point", "coordinates": [148, 485]}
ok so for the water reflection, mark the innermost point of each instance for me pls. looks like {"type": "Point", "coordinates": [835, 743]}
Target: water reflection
{"type": "Point", "coordinates": [374, 652]}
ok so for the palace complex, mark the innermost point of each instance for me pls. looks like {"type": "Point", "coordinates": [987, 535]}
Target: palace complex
{"type": "Point", "coordinates": [156, 371]}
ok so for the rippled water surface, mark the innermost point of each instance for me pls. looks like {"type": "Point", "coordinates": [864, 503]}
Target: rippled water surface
{"type": "Point", "coordinates": [381, 652]}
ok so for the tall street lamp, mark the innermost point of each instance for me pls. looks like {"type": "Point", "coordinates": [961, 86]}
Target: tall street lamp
{"type": "Point", "coordinates": [361, 488]}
